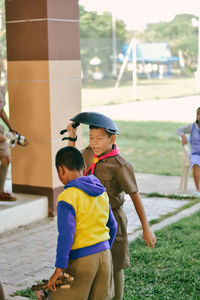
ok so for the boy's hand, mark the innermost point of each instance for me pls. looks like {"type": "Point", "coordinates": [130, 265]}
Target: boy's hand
{"type": "Point", "coordinates": [149, 237]}
{"type": "Point", "coordinates": [2, 138]}
{"type": "Point", "coordinates": [54, 277]}
{"type": "Point", "coordinates": [71, 131]}
{"type": "Point", "coordinates": [184, 139]}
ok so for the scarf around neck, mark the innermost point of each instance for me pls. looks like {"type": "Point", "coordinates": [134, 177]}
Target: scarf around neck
{"type": "Point", "coordinates": [96, 159]}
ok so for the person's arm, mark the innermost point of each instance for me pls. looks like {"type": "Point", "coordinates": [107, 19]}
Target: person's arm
{"type": "Point", "coordinates": [66, 229]}
{"type": "Point", "coordinates": [72, 133]}
{"type": "Point", "coordinates": [54, 277]}
{"type": "Point", "coordinates": [2, 138]}
{"type": "Point", "coordinates": [182, 131]}
{"type": "Point", "coordinates": [148, 235]}
{"type": "Point", "coordinates": [112, 225]}
{"type": "Point", "coordinates": [6, 120]}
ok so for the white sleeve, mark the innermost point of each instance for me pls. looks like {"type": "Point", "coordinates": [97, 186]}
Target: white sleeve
{"type": "Point", "coordinates": [184, 129]}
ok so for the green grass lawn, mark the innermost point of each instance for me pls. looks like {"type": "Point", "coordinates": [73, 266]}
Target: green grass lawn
{"type": "Point", "coordinates": [150, 146]}
{"type": "Point", "coordinates": [172, 269]}
{"type": "Point", "coordinates": [102, 92]}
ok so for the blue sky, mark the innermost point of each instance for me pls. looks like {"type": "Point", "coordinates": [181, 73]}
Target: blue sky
{"type": "Point", "coordinates": [136, 14]}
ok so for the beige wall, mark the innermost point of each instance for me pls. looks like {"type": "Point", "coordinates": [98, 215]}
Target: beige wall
{"type": "Point", "coordinates": [43, 96]}
{"type": "Point", "coordinates": [44, 86]}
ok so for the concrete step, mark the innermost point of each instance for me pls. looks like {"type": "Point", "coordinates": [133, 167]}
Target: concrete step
{"type": "Point", "coordinates": [25, 210]}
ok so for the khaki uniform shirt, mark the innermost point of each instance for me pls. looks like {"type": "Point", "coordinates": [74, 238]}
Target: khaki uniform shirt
{"type": "Point", "coordinates": [116, 174]}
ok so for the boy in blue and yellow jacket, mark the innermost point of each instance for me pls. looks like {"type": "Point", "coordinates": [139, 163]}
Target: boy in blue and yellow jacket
{"type": "Point", "coordinates": [86, 232]}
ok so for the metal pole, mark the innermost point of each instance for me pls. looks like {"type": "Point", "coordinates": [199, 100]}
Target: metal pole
{"type": "Point", "coordinates": [122, 69]}
{"type": "Point", "coordinates": [134, 70]}
{"type": "Point", "coordinates": [114, 40]}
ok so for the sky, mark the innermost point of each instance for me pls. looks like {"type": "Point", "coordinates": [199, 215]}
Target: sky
{"type": "Point", "coordinates": [136, 14]}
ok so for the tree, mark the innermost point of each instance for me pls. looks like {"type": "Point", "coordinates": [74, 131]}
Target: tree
{"type": "Point", "coordinates": [96, 38]}
{"type": "Point", "coordinates": [93, 25]}
{"type": "Point", "coordinates": [180, 34]}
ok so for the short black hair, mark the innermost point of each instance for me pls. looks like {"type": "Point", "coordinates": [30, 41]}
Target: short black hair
{"type": "Point", "coordinates": [71, 158]}
{"type": "Point", "coordinates": [109, 134]}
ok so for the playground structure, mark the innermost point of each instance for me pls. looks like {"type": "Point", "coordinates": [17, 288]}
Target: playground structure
{"type": "Point", "coordinates": [147, 60]}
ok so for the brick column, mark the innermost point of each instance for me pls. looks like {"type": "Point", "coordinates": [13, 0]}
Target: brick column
{"type": "Point", "coordinates": [44, 86]}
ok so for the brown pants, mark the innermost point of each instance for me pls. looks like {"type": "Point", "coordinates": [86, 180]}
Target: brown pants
{"type": "Point", "coordinates": [120, 248]}
{"type": "Point", "coordinates": [93, 278]}
{"type": "Point", "coordinates": [2, 296]}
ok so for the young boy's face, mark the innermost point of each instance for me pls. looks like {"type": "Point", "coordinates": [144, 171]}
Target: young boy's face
{"type": "Point", "coordinates": [100, 142]}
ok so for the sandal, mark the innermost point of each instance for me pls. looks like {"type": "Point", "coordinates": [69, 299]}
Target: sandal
{"type": "Point", "coordinates": [7, 197]}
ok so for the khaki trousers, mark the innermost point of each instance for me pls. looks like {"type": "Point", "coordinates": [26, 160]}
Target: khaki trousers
{"type": "Point", "coordinates": [93, 278]}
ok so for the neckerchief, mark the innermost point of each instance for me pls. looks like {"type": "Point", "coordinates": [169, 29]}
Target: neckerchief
{"type": "Point", "coordinates": [96, 159]}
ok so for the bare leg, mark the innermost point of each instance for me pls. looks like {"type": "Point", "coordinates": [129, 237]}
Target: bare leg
{"type": "Point", "coordinates": [3, 172]}
{"type": "Point", "coordinates": [119, 284]}
{"type": "Point", "coordinates": [196, 176]}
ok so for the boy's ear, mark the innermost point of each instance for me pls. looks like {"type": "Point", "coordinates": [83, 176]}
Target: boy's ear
{"type": "Point", "coordinates": [113, 138]}
{"type": "Point", "coordinates": [60, 169]}
{"type": "Point", "coordinates": [84, 169]}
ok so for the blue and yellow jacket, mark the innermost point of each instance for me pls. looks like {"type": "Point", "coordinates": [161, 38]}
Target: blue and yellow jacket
{"type": "Point", "coordinates": [86, 224]}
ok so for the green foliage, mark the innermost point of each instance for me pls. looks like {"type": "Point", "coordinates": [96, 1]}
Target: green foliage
{"type": "Point", "coordinates": [171, 269]}
{"type": "Point", "coordinates": [180, 34]}
{"type": "Point", "coordinates": [25, 293]}
{"type": "Point", "coordinates": [94, 26]}
{"type": "Point", "coordinates": [96, 39]}
{"type": "Point", "coordinates": [171, 196]}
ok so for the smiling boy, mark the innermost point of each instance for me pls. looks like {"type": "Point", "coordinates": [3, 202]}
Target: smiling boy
{"type": "Point", "coordinates": [102, 158]}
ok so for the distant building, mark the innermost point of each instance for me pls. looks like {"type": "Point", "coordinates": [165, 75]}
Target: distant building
{"type": "Point", "coordinates": [153, 59]}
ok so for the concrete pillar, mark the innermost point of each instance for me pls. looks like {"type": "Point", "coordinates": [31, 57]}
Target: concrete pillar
{"type": "Point", "coordinates": [44, 86]}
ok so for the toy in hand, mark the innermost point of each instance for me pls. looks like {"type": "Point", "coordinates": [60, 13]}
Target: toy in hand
{"type": "Point", "coordinates": [63, 282]}
{"type": "Point", "coordinates": [16, 138]}
{"type": "Point", "coordinates": [76, 124]}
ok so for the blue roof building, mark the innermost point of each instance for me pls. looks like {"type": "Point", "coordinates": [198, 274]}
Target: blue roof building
{"type": "Point", "coordinates": [155, 54]}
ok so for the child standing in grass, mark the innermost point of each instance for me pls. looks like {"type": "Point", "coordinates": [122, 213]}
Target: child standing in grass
{"type": "Point", "coordinates": [86, 228]}
{"type": "Point", "coordinates": [102, 158]}
{"type": "Point", "coordinates": [194, 131]}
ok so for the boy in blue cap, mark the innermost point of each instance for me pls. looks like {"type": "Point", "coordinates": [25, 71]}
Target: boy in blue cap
{"type": "Point", "coordinates": [86, 228]}
{"type": "Point", "coordinates": [102, 158]}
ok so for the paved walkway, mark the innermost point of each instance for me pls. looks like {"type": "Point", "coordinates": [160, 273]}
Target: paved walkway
{"type": "Point", "coordinates": [176, 110]}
